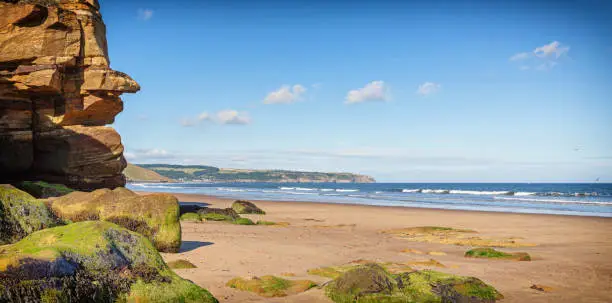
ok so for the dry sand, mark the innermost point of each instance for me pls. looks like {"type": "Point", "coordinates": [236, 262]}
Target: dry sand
{"type": "Point", "coordinates": [573, 254]}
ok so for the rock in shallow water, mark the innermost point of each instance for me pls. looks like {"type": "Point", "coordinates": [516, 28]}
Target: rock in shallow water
{"type": "Point", "coordinates": [90, 261]}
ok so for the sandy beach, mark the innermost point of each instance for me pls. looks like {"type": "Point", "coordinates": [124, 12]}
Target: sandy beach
{"type": "Point", "coordinates": [571, 254]}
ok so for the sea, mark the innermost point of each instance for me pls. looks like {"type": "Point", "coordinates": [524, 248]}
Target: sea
{"type": "Point", "coordinates": [594, 199]}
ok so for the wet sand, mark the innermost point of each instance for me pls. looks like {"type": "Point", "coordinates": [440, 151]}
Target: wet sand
{"type": "Point", "coordinates": [573, 254]}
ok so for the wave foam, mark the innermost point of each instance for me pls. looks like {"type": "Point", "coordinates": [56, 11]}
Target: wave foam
{"type": "Point", "coordinates": [603, 203]}
{"type": "Point", "coordinates": [341, 190]}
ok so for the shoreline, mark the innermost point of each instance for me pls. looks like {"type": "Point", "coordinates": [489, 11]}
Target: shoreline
{"type": "Point", "coordinates": [414, 208]}
{"type": "Point", "coordinates": [570, 255]}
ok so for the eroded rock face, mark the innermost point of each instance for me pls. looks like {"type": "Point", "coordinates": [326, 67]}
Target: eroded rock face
{"type": "Point", "coordinates": [57, 93]}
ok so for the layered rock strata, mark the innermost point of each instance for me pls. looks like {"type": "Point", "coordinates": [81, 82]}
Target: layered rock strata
{"type": "Point", "coordinates": [57, 94]}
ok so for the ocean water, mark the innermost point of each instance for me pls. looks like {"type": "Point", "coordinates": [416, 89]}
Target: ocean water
{"type": "Point", "coordinates": [555, 198]}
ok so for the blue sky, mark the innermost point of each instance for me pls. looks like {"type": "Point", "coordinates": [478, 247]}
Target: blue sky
{"type": "Point", "coordinates": [444, 92]}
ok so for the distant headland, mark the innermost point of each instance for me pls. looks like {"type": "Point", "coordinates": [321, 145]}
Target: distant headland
{"type": "Point", "coordinates": [205, 173]}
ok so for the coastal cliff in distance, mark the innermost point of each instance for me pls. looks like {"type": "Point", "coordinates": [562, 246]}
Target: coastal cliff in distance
{"type": "Point", "coordinates": [204, 173]}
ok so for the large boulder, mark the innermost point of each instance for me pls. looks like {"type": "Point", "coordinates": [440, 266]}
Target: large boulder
{"type": "Point", "coordinates": [21, 215]}
{"type": "Point", "coordinates": [155, 216]}
{"type": "Point", "coordinates": [92, 261]}
{"type": "Point", "coordinates": [57, 93]}
{"type": "Point", "coordinates": [246, 207]}
{"type": "Point", "coordinates": [372, 283]}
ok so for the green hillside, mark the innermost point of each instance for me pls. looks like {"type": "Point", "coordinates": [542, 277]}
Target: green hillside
{"type": "Point", "coordinates": [215, 174]}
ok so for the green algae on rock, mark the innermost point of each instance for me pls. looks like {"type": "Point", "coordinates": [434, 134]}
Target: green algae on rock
{"type": "Point", "coordinates": [93, 261]}
{"type": "Point", "coordinates": [218, 214]}
{"type": "Point", "coordinates": [156, 216]}
{"type": "Point", "coordinates": [193, 217]}
{"type": "Point", "coordinates": [490, 253]}
{"type": "Point", "coordinates": [181, 264]}
{"type": "Point", "coordinates": [41, 189]}
{"type": "Point", "coordinates": [21, 215]}
{"type": "Point", "coordinates": [247, 207]}
{"type": "Point", "coordinates": [243, 221]}
{"type": "Point", "coordinates": [271, 286]}
{"type": "Point", "coordinates": [372, 283]}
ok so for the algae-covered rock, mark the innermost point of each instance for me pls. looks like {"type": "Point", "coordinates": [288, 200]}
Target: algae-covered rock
{"type": "Point", "coordinates": [156, 216]}
{"type": "Point", "coordinates": [218, 214]}
{"type": "Point", "coordinates": [372, 283]}
{"type": "Point", "coordinates": [243, 221]}
{"type": "Point", "coordinates": [192, 217]}
{"type": "Point", "coordinates": [490, 253]}
{"type": "Point", "coordinates": [247, 207]}
{"type": "Point", "coordinates": [92, 261]}
{"type": "Point", "coordinates": [181, 264]}
{"type": "Point", "coordinates": [271, 286]}
{"type": "Point", "coordinates": [21, 214]}
{"type": "Point", "coordinates": [40, 189]}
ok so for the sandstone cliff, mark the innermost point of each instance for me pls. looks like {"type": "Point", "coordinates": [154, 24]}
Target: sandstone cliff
{"type": "Point", "coordinates": [57, 94]}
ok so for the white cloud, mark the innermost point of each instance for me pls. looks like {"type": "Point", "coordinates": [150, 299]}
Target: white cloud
{"type": "Point", "coordinates": [549, 49]}
{"type": "Point", "coordinates": [428, 88]}
{"type": "Point", "coordinates": [145, 14]}
{"type": "Point", "coordinates": [232, 117]}
{"type": "Point", "coordinates": [285, 94]}
{"type": "Point", "coordinates": [542, 58]}
{"type": "Point", "coordinates": [373, 91]}
{"type": "Point", "coordinates": [520, 56]}
{"type": "Point", "coordinates": [228, 116]}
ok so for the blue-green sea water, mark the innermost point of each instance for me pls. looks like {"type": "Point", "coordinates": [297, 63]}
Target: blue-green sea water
{"type": "Point", "coordinates": [593, 199]}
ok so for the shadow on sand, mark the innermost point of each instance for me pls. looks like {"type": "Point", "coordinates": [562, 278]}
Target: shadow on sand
{"type": "Point", "coordinates": [191, 245]}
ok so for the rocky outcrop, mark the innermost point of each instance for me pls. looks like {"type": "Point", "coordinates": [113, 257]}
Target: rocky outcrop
{"type": "Point", "coordinates": [90, 261]}
{"type": "Point", "coordinates": [373, 283]}
{"type": "Point", "coordinates": [246, 207]}
{"type": "Point", "coordinates": [155, 216]}
{"type": "Point", "coordinates": [57, 94]}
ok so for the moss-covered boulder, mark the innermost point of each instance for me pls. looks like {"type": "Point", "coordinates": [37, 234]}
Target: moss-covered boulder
{"type": "Point", "coordinates": [490, 253]}
{"type": "Point", "coordinates": [91, 261]}
{"type": "Point", "coordinates": [271, 286]}
{"type": "Point", "coordinates": [247, 207]}
{"type": "Point", "coordinates": [43, 190]}
{"type": "Point", "coordinates": [372, 283]}
{"type": "Point", "coordinates": [21, 215]}
{"type": "Point", "coordinates": [156, 216]}
{"type": "Point", "coordinates": [218, 214]}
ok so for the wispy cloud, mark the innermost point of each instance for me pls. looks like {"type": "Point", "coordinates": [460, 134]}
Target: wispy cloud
{"type": "Point", "coordinates": [228, 116]}
{"type": "Point", "coordinates": [145, 14]}
{"type": "Point", "coordinates": [428, 88]}
{"type": "Point", "coordinates": [542, 58]}
{"type": "Point", "coordinates": [373, 91]}
{"type": "Point", "coordinates": [233, 117]}
{"type": "Point", "coordinates": [186, 122]}
{"type": "Point", "coordinates": [148, 154]}
{"type": "Point", "coordinates": [285, 94]}
{"type": "Point", "coordinates": [520, 56]}
{"type": "Point", "coordinates": [554, 48]}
